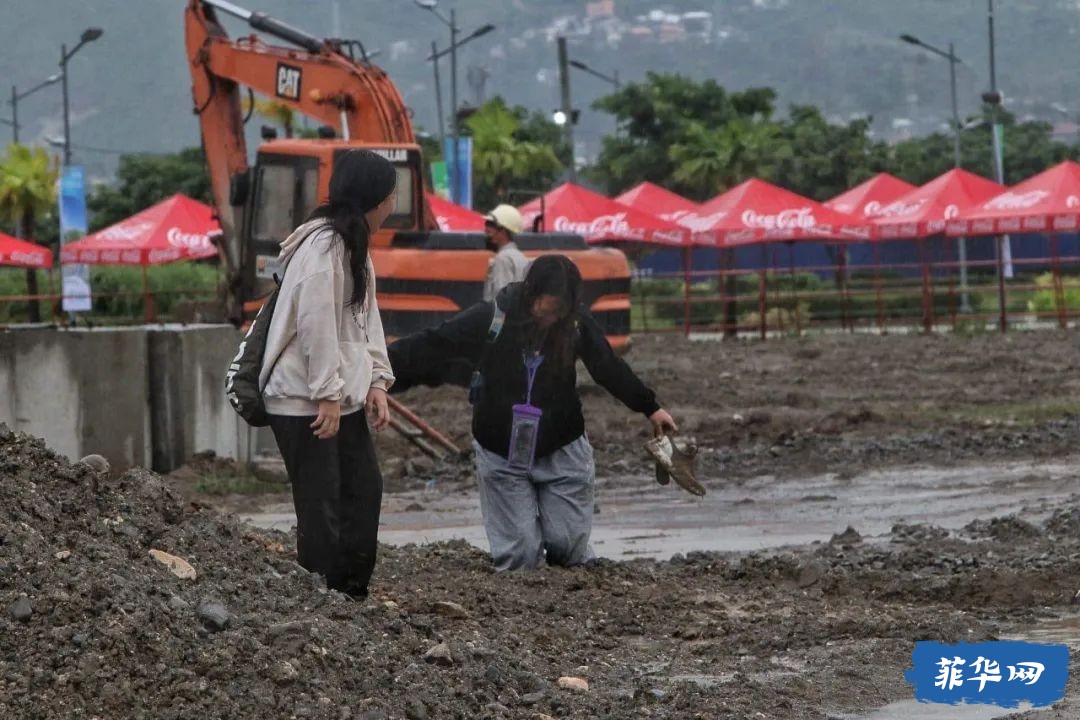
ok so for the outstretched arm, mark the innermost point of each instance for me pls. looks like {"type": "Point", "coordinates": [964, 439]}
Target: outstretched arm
{"type": "Point", "coordinates": [425, 357]}
{"type": "Point", "coordinates": [615, 376]}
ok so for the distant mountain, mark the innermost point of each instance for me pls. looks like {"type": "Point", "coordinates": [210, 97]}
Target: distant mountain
{"type": "Point", "coordinates": [130, 90]}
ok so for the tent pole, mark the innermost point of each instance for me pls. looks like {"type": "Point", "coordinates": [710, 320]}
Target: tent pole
{"type": "Point", "coordinates": [148, 300]}
{"type": "Point", "coordinates": [687, 263]}
{"type": "Point", "coordinates": [1059, 288]}
{"type": "Point", "coordinates": [877, 288]}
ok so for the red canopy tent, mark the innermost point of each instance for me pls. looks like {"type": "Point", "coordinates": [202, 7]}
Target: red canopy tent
{"type": "Point", "coordinates": [19, 253]}
{"type": "Point", "coordinates": [665, 204]}
{"type": "Point", "coordinates": [869, 198]}
{"type": "Point", "coordinates": [452, 217]}
{"type": "Point", "coordinates": [177, 228]}
{"type": "Point", "coordinates": [1047, 202]}
{"type": "Point", "coordinates": [925, 210]}
{"type": "Point", "coordinates": [757, 211]}
{"type": "Point", "coordinates": [571, 208]}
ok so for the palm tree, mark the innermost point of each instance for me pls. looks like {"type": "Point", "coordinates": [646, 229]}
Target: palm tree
{"type": "Point", "coordinates": [710, 160]}
{"type": "Point", "coordinates": [27, 190]}
{"type": "Point", "coordinates": [500, 159]}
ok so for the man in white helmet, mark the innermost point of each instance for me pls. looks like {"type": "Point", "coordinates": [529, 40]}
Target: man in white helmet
{"type": "Point", "coordinates": [509, 264]}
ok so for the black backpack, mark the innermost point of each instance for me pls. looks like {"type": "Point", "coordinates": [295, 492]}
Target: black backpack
{"type": "Point", "coordinates": [242, 379]}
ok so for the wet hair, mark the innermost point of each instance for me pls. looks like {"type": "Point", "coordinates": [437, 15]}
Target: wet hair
{"type": "Point", "coordinates": [558, 276]}
{"type": "Point", "coordinates": [360, 182]}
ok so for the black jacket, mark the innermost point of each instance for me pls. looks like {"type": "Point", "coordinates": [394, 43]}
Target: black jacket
{"type": "Point", "coordinates": [429, 356]}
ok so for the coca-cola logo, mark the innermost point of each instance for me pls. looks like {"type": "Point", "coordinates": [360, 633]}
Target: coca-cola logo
{"type": "Point", "coordinates": [163, 256]}
{"type": "Point", "coordinates": [188, 241]}
{"type": "Point", "coordinates": [602, 225]}
{"type": "Point", "coordinates": [871, 209]}
{"type": "Point", "coordinates": [27, 258]}
{"type": "Point", "coordinates": [951, 212]}
{"type": "Point", "coordinates": [1072, 201]}
{"type": "Point", "coordinates": [1016, 201]}
{"type": "Point", "coordinates": [793, 219]}
{"type": "Point", "coordinates": [127, 233]}
{"type": "Point", "coordinates": [130, 257]}
{"type": "Point", "coordinates": [694, 221]}
{"type": "Point", "coordinates": [900, 208]}
{"type": "Point", "coordinates": [444, 223]}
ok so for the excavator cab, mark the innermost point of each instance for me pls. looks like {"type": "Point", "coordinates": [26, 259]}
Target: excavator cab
{"type": "Point", "coordinates": [292, 177]}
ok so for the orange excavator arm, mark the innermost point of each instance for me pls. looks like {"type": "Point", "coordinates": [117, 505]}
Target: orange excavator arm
{"type": "Point", "coordinates": [315, 78]}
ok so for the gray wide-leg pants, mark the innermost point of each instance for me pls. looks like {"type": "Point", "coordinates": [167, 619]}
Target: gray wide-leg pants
{"type": "Point", "coordinates": [542, 514]}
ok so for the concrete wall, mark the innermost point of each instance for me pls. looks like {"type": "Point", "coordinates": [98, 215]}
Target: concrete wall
{"type": "Point", "coordinates": [189, 412]}
{"type": "Point", "coordinates": [84, 391]}
{"type": "Point", "coordinates": [151, 397]}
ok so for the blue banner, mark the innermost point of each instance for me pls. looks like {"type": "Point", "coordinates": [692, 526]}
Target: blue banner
{"type": "Point", "coordinates": [461, 182]}
{"type": "Point", "coordinates": [73, 225]}
{"type": "Point", "coordinates": [989, 673]}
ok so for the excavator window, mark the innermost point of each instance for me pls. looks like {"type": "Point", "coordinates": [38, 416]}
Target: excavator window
{"type": "Point", "coordinates": [275, 193]}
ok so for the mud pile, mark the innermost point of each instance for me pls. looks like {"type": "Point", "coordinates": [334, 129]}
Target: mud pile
{"type": "Point", "coordinates": [92, 625]}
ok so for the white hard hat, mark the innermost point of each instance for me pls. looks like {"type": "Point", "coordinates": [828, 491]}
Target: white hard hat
{"type": "Point", "coordinates": [505, 216]}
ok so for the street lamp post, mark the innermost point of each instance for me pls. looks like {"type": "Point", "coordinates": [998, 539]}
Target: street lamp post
{"type": "Point", "coordinates": [16, 96]}
{"type": "Point", "coordinates": [565, 107]}
{"type": "Point", "coordinates": [613, 79]}
{"type": "Point", "coordinates": [961, 245]}
{"type": "Point", "coordinates": [88, 35]}
{"type": "Point", "coordinates": [451, 23]}
{"type": "Point", "coordinates": [1004, 251]}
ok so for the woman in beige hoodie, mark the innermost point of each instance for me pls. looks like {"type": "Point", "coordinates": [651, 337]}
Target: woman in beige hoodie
{"type": "Point", "coordinates": [325, 364]}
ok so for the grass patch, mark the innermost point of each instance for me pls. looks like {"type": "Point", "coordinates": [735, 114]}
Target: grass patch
{"type": "Point", "coordinates": [237, 485]}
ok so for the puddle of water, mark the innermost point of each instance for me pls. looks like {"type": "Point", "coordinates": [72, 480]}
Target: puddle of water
{"type": "Point", "coordinates": [915, 710]}
{"type": "Point", "coordinates": [1064, 630]}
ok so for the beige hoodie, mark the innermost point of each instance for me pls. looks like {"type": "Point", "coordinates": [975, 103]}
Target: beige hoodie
{"type": "Point", "coordinates": [318, 347]}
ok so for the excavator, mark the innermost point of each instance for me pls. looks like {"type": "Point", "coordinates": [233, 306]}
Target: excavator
{"type": "Point", "coordinates": [423, 275]}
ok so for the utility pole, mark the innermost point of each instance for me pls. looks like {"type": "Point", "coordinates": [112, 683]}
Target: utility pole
{"type": "Point", "coordinates": [454, 179]}
{"type": "Point", "coordinates": [567, 108]}
{"type": "Point", "coordinates": [961, 243]}
{"type": "Point", "coordinates": [438, 97]}
{"type": "Point", "coordinates": [1004, 251]}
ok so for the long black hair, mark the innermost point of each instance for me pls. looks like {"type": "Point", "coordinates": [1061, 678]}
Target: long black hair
{"type": "Point", "coordinates": [558, 276]}
{"type": "Point", "coordinates": [360, 182]}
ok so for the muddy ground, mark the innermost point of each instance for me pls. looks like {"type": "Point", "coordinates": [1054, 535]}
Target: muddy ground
{"type": "Point", "coordinates": [92, 625]}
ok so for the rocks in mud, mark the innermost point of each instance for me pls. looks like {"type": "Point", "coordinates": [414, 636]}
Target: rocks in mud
{"type": "Point", "coordinates": [20, 610]}
{"type": "Point", "coordinates": [96, 463]}
{"type": "Point", "coordinates": [214, 616]}
{"type": "Point", "coordinates": [178, 566]}
{"type": "Point", "coordinates": [577, 684]}
{"type": "Point", "coordinates": [849, 537]}
{"type": "Point", "coordinates": [450, 610]}
{"type": "Point", "coordinates": [283, 672]}
{"type": "Point", "coordinates": [440, 655]}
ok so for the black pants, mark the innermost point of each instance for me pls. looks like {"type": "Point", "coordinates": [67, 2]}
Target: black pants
{"type": "Point", "coordinates": [337, 492]}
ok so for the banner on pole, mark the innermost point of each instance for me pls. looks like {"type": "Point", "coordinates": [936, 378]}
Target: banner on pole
{"type": "Point", "coordinates": [73, 225]}
{"type": "Point", "coordinates": [440, 183]}
{"type": "Point", "coordinates": [462, 192]}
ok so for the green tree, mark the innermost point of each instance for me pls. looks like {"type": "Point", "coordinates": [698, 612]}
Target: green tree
{"type": "Point", "coordinates": [27, 191]}
{"type": "Point", "coordinates": [502, 159]}
{"type": "Point", "coordinates": [142, 180]}
{"type": "Point", "coordinates": [667, 119]}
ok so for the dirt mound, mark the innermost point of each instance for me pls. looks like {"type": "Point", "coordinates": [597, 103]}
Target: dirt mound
{"type": "Point", "coordinates": [92, 623]}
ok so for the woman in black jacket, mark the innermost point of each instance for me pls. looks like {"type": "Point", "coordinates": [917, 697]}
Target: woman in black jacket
{"type": "Point", "coordinates": [533, 459]}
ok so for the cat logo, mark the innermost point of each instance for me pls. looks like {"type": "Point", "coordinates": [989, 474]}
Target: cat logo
{"type": "Point", "coordinates": [288, 81]}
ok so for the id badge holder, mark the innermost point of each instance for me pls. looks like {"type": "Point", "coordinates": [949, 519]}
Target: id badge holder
{"type": "Point", "coordinates": [523, 434]}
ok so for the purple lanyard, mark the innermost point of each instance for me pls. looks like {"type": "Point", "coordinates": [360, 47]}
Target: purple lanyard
{"type": "Point", "coordinates": [531, 366]}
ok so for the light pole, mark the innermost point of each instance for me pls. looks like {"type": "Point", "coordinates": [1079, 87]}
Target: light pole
{"type": "Point", "coordinates": [88, 35]}
{"type": "Point", "coordinates": [961, 245]}
{"type": "Point", "coordinates": [993, 98]}
{"type": "Point", "coordinates": [16, 96]}
{"type": "Point", "coordinates": [451, 23]}
{"type": "Point", "coordinates": [434, 58]}
{"type": "Point", "coordinates": [613, 79]}
{"type": "Point", "coordinates": [567, 110]}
